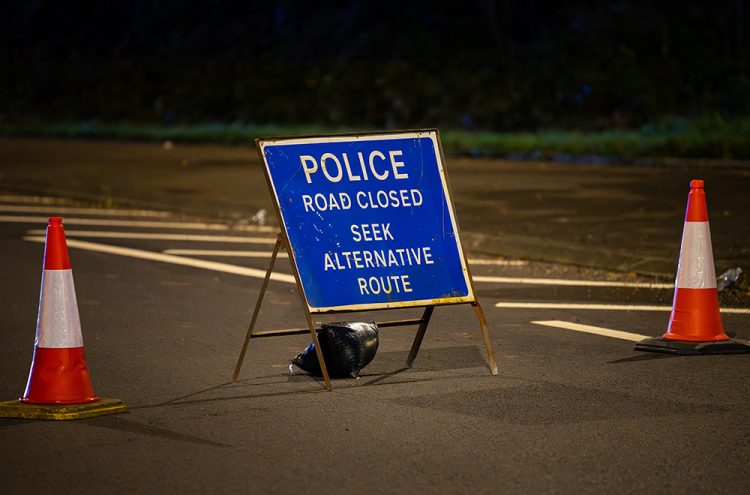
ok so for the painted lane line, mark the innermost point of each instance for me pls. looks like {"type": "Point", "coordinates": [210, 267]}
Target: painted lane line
{"type": "Point", "coordinates": [484, 261]}
{"type": "Point", "coordinates": [56, 210]}
{"type": "Point", "coordinates": [606, 332]}
{"type": "Point", "coordinates": [141, 223]}
{"type": "Point", "coordinates": [162, 237]}
{"type": "Point", "coordinates": [36, 200]}
{"type": "Point", "coordinates": [252, 254]}
{"type": "Point", "coordinates": [506, 280]}
{"type": "Point", "coordinates": [263, 254]}
{"type": "Point", "coordinates": [219, 252]}
{"type": "Point", "coordinates": [601, 307]}
{"type": "Point", "coordinates": [578, 283]}
{"type": "Point", "coordinates": [171, 259]}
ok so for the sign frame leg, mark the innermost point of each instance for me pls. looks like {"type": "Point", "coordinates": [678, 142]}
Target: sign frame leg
{"type": "Point", "coordinates": [319, 352]}
{"type": "Point", "coordinates": [256, 311]}
{"type": "Point", "coordinates": [326, 378]}
{"type": "Point", "coordinates": [420, 335]}
{"type": "Point", "coordinates": [486, 335]}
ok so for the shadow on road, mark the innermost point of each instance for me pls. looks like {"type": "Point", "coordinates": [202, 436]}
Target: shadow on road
{"type": "Point", "coordinates": [118, 423]}
{"type": "Point", "coordinates": [642, 357]}
{"type": "Point", "coordinates": [389, 364]}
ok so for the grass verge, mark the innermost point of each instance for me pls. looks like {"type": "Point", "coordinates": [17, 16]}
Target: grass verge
{"type": "Point", "coordinates": [707, 137]}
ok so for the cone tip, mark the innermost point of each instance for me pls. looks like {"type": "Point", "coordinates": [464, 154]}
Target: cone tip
{"type": "Point", "coordinates": [696, 184]}
{"type": "Point", "coordinates": [56, 249]}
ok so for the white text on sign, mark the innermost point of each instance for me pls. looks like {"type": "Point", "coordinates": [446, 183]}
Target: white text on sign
{"type": "Point", "coordinates": [371, 232]}
{"type": "Point", "coordinates": [363, 199]}
{"type": "Point", "coordinates": [377, 164]}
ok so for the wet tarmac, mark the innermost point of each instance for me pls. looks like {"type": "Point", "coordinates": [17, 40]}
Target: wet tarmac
{"type": "Point", "coordinates": [625, 218]}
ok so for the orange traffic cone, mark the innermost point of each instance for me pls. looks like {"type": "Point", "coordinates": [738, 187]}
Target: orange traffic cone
{"type": "Point", "coordinates": [59, 384]}
{"type": "Point", "coordinates": [695, 325]}
{"type": "Point", "coordinates": [59, 374]}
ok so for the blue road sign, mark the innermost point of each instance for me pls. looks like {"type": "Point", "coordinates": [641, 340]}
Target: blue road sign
{"type": "Point", "coordinates": [369, 220]}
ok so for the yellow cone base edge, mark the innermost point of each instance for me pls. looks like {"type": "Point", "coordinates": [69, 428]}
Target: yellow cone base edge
{"type": "Point", "coordinates": [17, 409]}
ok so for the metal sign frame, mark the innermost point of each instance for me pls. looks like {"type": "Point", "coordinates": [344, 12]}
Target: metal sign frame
{"type": "Point", "coordinates": [282, 241]}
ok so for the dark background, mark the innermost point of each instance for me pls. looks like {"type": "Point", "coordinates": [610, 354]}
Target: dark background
{"type": "Point", "coordinates": [490, 65]}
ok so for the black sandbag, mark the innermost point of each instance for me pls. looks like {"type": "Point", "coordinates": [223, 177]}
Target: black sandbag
{"type": "Point", "coordinates": [347, 347]}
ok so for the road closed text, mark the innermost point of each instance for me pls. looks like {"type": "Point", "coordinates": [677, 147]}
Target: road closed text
{"type": "Point", "coordinates": [366, 200]}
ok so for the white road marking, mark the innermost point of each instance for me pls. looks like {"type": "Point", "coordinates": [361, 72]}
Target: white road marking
{"type": "Point", "coordinates": [506, 280]}
{"type": "Point", "coordinates": [484, 261]}
{"type": "Point", "coordinates": [168, 258]}
{"type": "Point", "coordinates": [578, 283]}
{"type": "Point", "coordinates": [267, 254]}
{"type": "Point", "coordinates": [37, 200]}
{"type": "Point", "coordinates": [140, 223]}
{"type": "Point", "coordinates": [57, 210]}
{"type": "Point", "coordinates": [601, 307]}
{"type": "Point", "coordinates": [162, 237]}
{"type": "Point", "coordinates": [606, 332]}
{"type": "Point", "coordinates": [219, 252]}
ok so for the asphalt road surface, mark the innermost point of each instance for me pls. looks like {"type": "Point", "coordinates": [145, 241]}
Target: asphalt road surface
{"type": "Point", "coordinates": [164, 307]}
{"type": "Point", "coordinates": [623, 218]}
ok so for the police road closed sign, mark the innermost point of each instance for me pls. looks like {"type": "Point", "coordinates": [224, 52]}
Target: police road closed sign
{"type": "Point", "coordinates": [369, 220]}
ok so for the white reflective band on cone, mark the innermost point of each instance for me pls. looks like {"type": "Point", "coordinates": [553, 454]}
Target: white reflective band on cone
{"type": "Point", "coordinates": [696, 268]}
{"type": "Point", "coordinates": [58, 324]}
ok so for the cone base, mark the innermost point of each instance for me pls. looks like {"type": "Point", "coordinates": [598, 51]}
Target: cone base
{"type": "Point", "coordinates": [17, 409]}
{"type": "Point", "coordinates": [72, 402]}
{"type": "Point", "coordinates": [686, 348]}
{"type": "Point", "coordinates": [59, 376]}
